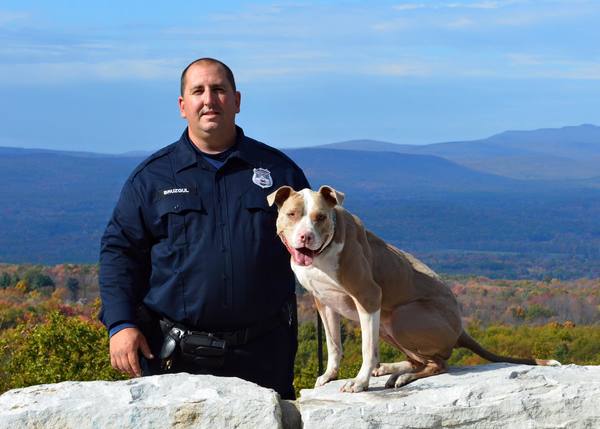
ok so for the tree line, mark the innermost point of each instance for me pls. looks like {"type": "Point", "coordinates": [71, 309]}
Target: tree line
{"type": "Point", "coordinates": [49, 333]}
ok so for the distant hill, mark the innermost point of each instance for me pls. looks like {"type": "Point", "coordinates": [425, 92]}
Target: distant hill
{"type": "Point", "coordinates": [54, 206]}
{"type": "Point", "coordinates": [386, 174]}
{"type": "Point", "coordinates": [369, 146]}
{"type": "Point", "coordinates": [553, 153]}
{"type": "Point", "coordinates": [19, 151]}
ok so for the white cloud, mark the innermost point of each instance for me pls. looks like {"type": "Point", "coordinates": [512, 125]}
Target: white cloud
{"type": "Point", "coordinates": [400, 69]}
{"type": "Point", "coordinates": [587, 72]}
{"type": "Point", "coordinates": [477, 5]}
{"type": "Point", "coordinates": [391, 25]}
{"type": "Point", "coordinates": [544, 66]}
{"type": "Point", "coordinates": [409, 6]}
{"type": "Point", "coordinates": [249, 74]}
{"type": "Point", "coordinates": [520, 59]}
{"type": "Point", "coordinates": [7, 17]}
{"type": "Point", "coordinates": [460, 23]}
{"type": "Point", "coordinates": [489, 4]}
{"type": "Point", "coordinates": [271, 41]}
{"type": "Point", "coordinates": [63, 72]}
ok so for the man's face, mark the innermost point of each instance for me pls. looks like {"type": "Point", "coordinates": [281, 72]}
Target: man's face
{"type": "Point", "coordinates": [209, 102]}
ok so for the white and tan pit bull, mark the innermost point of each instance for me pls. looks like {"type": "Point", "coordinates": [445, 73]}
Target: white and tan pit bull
{"type": "Point", "coordinates": [353, 273]}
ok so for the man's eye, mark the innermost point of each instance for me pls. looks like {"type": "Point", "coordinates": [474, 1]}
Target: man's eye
{"type": "Point", "coordinates": [291, 214]}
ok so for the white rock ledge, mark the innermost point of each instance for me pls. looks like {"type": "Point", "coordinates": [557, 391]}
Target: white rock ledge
{"type": "Point", "coordinates": [165, 401]}
{"type": "Point", "coordinates": [487, 396]}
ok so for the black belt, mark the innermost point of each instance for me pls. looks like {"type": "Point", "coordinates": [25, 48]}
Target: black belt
{"type": "Point", "coordinates": [232, 338]}
{"type": "Point", "coordinates": [207, 349]}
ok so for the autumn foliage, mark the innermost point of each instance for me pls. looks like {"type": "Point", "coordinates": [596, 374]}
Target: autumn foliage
{"type": "Point", "coordinates": [49, 330]}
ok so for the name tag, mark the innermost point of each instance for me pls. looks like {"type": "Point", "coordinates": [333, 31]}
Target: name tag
{"type": "Point", "coordinates": [176, 191]}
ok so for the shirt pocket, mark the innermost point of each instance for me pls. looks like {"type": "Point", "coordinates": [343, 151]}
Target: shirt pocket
{"type": "Point", "coordinates": [263, 218]}
{"type": "Point", "coordinates": [180, 216]}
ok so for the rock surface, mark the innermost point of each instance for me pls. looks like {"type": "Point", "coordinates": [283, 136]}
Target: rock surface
{"type": "Point", "coordinates": [488, 396]}
{"type": "Point", "coordinates": [167, 401]}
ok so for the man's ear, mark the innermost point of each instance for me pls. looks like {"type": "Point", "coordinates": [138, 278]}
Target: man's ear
{"type": "Point", "coordinates": [280, 195]}
{"type": "Point", "coordinates": [238, 101]}
{"type": "Point", "coordinates": [181, 103]}
{"type": "Point", "coordinates": [331, 195]}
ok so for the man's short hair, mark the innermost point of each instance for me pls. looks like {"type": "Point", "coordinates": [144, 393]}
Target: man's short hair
{"type": "Point", "coordinates": [228, 72]}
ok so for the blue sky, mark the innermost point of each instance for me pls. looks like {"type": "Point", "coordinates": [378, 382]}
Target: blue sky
{"type": "Point", "coordinates": [103, 76]}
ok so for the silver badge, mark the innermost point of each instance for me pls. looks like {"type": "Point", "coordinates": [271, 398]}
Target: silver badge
{"type": "Point", "coordinates": [262, 177]}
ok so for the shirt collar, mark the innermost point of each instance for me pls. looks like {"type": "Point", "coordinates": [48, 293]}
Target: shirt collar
{"type": "Point", "coordinates": [185, 155]}
{"type": "Point", "coordinates": [246, 149]}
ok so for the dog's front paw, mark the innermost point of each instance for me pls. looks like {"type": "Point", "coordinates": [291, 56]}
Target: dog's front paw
{"type": "Point", "coordinates": [355, 386]}
{"type": "Point", "coordinates": [325, 378]}
{"type": "Point", "coordinates": [381, 369]}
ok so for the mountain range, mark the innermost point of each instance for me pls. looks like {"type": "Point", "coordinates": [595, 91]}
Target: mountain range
{"type": "Point", "coordinates": [565, 153]}
{"type": "Point", "coordinates": [439, 200]}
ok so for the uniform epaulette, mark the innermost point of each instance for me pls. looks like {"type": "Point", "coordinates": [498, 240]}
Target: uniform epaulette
{"type": "Point", "coordinates": [156, 155]}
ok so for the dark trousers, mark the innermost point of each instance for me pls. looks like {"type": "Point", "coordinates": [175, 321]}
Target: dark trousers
{"type": "Point", "coordinates": [267, 360]}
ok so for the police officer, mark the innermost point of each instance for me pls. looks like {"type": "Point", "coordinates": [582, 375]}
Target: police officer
{"type": "Point", "coordinates": [190, 256]}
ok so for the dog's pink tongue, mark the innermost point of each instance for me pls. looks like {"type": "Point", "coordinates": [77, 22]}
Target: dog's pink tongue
{"type": "Point", "coordinates": [302, 257]}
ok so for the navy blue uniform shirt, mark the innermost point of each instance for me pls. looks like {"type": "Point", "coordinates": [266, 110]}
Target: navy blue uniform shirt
{"type": "Point", "coordinates": [198, 244]}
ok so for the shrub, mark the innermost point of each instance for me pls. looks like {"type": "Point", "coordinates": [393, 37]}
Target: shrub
{"type": "Point", "coordinates": [59, 349]}
{"type": "Point", "coordinates": [5, 280]}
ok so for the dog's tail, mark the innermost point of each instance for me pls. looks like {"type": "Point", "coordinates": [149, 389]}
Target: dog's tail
{"type": "Point", "coordinates": [466, 341]}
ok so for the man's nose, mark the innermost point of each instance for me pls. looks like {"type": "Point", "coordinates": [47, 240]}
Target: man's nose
{"type": "Point", "coordinates": [208, 97]}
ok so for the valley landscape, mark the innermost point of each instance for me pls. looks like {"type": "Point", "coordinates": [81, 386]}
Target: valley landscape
{"type": "Point", "coordinates": [512, 223]}
{"type": "Point", "coordinates": [461, 216]}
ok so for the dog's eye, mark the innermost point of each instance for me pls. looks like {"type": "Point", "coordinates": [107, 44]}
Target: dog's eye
{"type": "Point", "coordinates": [320, 217]}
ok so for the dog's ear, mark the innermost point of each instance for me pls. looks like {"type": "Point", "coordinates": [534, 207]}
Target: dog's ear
{"type": "Point", "coordinates": [331, 195]}
{"type": "Point", "coordinates": [280, 195]}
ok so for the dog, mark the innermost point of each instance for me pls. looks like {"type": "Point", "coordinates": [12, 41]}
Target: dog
{"type": "Point", "coordinates": [353, 273]}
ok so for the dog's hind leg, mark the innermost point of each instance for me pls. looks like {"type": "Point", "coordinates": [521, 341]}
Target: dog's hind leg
{"type": "Point", "coordinates": [423, 371]}
{"type": "Point", "coordinates": [396, 368]}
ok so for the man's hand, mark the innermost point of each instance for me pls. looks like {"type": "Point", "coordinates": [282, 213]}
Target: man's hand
{"type": "Point", "coordinates": [124, 347]}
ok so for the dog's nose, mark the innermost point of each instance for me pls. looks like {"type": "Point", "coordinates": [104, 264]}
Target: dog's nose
{"type": "Point", "coordinates": [307, 238]}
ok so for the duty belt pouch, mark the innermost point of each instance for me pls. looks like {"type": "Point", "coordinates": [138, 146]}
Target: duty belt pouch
{"type": "Point", "coordinates": [203, 350]}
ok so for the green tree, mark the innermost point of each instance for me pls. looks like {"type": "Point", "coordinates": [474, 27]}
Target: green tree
{"type": "Point", "coordinates": [5, 280]}
{"type": "Point", "coordinates": [73, 287]}
{"type": "Point", "coordinates": [537, 311]}
{"type": "Point", "coordinates": [35, 279]}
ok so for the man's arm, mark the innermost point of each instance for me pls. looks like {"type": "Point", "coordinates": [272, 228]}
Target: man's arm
{"type": "Point", "coordinates": [124, 274]}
